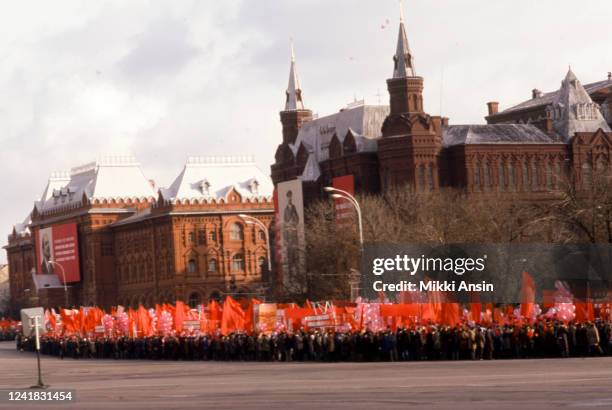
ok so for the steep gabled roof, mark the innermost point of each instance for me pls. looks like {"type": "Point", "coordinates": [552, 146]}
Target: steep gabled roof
{"type": "Point", "coordinates": [364, 122]}
{"type": "Point", "coordinates": [573, 110]}
{"type": "Point", "coordinates": [496, 134]}
{"type": "Point", "coordinates": [548, 98]}
{"type": "Point", "coordinates": [108, 178]}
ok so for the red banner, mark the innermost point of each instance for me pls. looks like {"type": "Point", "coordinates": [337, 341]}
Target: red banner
{"type": "Point", "coordinates": [343, 208]}
{"type": "Point", "coordinates": [57, 252]}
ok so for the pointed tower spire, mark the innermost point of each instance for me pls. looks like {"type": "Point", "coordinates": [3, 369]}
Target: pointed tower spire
{"type": "Point", "coordinates": [294, 90]}
{"type": "Point", "coordinates": [294, 114]}
{"type": "Point", "coordinates": [403, 61]}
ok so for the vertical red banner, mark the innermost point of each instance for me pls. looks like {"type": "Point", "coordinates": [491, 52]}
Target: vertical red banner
{"type": "Point", "coordinates": [344, 209]}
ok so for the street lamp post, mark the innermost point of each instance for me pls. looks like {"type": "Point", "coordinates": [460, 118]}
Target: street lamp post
{"type": "Point", "coordinates": [254, 221]}
{"type": "Point", "coordinates": [52, 262]}
{"type": "Point", "coordinates": [341, 194]}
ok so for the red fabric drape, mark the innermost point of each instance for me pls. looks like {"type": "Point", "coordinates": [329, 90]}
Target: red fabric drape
{"type": "Point", "coordinates": [67, 321]}
{"type": "Point", "coordinates": [181, 313]}
{"type": "Point", "coordinates": [145, 322]}
{"type": "Point", "coordinates": [232, 318]}
{"type": "Point", "coordinates": [249, 322]}
{"type": "Point", "coordinates": [528, 292]}
{"type": "Point", "coordinates": [450, 314]}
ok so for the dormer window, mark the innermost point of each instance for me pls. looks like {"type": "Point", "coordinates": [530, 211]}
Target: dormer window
{"type": "Point", "coordinates": [254, 187]}
{"type": "Point", "coordinates": [205, 187]}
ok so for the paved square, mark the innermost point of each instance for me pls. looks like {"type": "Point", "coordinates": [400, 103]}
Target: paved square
{"type": "Point", "coordinates": [516, 384]}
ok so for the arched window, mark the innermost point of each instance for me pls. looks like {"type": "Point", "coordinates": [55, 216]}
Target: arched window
{"type": "Point", "coordinates": [215, 295]}
{"type": "Point", "coordinates": [262, 235]}
{"type": "Point", "coordinates": [212, 265]}
{"type": "Point", "coordinates": [212, 236]}
{"type": "Point", "coordinates": [194, 300]}
{"type": "Point", "coordinates": [192, 267]}
{"type": "Point", "coordinates": [236, 232]}
{"type": "Point", "coordinates": [237, 262]}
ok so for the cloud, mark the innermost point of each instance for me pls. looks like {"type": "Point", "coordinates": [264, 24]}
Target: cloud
{"type": "Point", "coordinates": [169, 79]}
{"type": "Point", "coordinates": [162, 50]}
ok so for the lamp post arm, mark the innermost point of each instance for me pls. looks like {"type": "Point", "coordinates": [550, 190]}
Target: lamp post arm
{"type": "Point", "coordinates": [266, 234]}
{"type": "Point", "coordinates": [354, 202]}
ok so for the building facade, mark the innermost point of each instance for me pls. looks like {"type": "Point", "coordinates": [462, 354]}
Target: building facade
{"type": "Point", "coordinates": [138, 243]}
{"type": "Point", "coordinates": [524, 149]}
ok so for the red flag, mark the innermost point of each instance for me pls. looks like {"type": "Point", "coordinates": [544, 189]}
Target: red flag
{"type": "Point", "coordinates": [132, 322]}
{"type": "Point", "coordinates": [50, 318]}
{"type": "Point", "coordinates": [249, 320]}
{"type": "Point", "coordinates": [584, 311]}
{"type": "Point", "coordinates": [144, 321]}
{"type": "Point", "coordinates": [67, 321]}
{"type": "Point", "coordinates": [214, 316]}
{"type": "Point", "coordinates": [450, 314]}
{"type": "Point", "coordinates": [476, 310]}
{"type": "Point", "coordinates": [181, 313]}
{"type": "Point", "coordinates": [232, 318]}
{"type": "Point", "coordinates": [528, 291]}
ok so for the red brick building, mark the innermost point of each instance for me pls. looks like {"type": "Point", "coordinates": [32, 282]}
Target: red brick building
{"type": "Point", "coordinates": [521, 149]}
{"type": "Point", "coordinates": [140, 244]}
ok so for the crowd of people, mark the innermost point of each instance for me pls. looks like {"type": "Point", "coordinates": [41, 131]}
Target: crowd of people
{"type": "Point", "coordinates": [544, 339]}
{"type": "Point", "coordinates": [7, 334]}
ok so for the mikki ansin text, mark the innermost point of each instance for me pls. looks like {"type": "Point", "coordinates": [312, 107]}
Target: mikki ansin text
{"type": "Point", "coordinates": [411, 265]}
{"type": "Point", "coordinates": [433, 286]}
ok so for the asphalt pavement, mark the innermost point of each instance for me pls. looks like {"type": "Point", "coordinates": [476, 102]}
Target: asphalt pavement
{"type": "Point", "coordinates": [508, 384]}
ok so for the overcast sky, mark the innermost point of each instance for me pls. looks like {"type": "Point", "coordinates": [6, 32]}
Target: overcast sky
{"type": "Point", "coordinates": [168, 79]}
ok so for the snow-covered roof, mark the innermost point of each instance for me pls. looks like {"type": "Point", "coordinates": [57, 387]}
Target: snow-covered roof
{"type": "Point", "coordinates": [573, 110]}
{"type": "Point", "coordinates": [312, 170]}
{"type": "Point", "coordinates": [364, 121]}
{"type": "Point", "coordinates": [108, 178]}
{"type": "Point", "coordinates": [547, 98]}
{"type": "Point", "coordinates": [23, 228]}
{"type": "Point", "coordinates": [212, 178]}
{"type": "Point", "coordinates": [496, 134]}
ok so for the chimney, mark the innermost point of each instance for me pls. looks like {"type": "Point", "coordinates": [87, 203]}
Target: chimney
{"type": "Point", "coordinates": [535, 93]}
{"type": "Point", "coordinates": [493, 107]}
